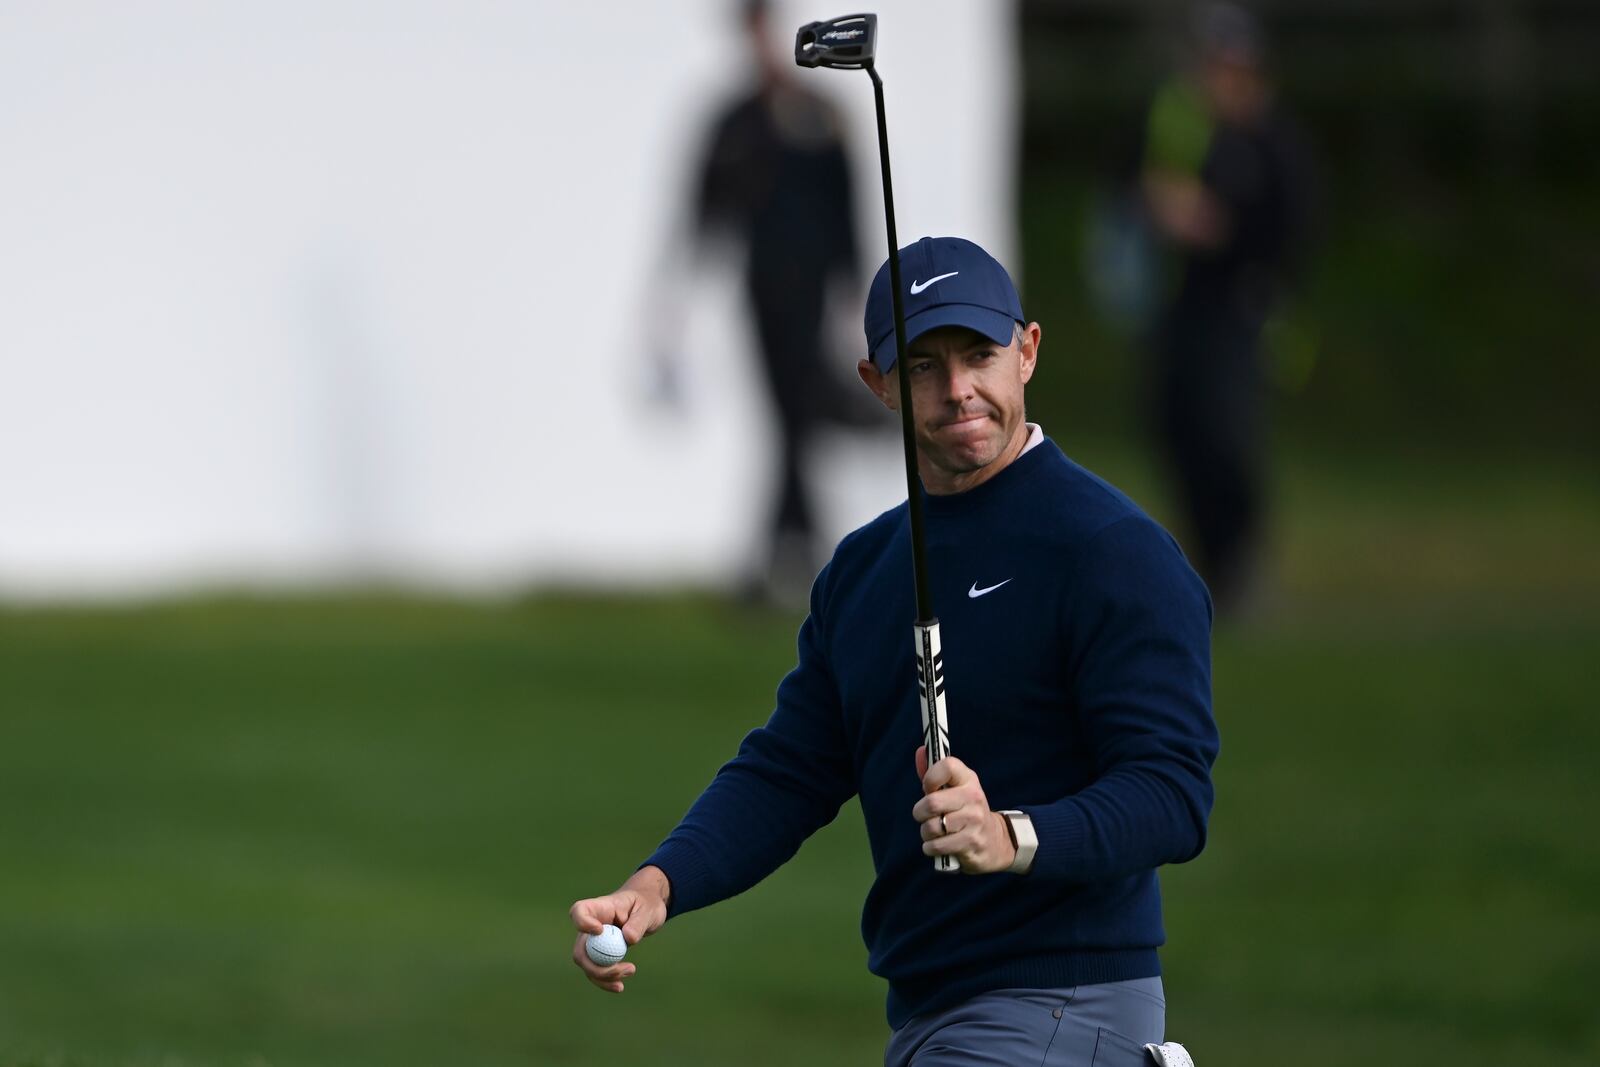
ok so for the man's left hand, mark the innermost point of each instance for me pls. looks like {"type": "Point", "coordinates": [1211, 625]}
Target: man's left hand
{"type": "Point", "coordinates": [956, 820]}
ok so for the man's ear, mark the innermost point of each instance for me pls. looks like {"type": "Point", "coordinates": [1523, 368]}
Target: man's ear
{"type": "Point", "coordinates": [1031, 336]}
{"type": "Point", "coordinates": [878, 382]}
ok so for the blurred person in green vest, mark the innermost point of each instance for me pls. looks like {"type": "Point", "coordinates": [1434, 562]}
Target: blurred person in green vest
{"type": "Point", "coordinates": [1225, 183]}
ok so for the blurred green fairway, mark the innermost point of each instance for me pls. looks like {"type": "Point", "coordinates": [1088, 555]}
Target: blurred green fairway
{"type": "Point", "coordinates": [346, 831]}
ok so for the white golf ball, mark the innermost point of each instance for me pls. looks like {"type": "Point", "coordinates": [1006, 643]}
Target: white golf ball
{"type": "Point", "coordinates": [606, 947]}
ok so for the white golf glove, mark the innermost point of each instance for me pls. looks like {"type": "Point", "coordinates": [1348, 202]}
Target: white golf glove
{"type": "Point", "coordinates": [1169, 1054]}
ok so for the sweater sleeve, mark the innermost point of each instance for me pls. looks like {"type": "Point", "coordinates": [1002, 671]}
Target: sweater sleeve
{"type": "Point", "coordinates": [788, 780]}
{"type": "Point", "coordinates": [1139, 621]}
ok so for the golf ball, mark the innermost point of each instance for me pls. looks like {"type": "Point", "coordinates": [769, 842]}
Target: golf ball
{"type": "Point", "coordinates": [606, 947]}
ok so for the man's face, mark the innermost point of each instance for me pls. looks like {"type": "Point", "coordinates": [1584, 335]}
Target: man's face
{"type": "Point", "coordinates": [967, 399]}
{"type": "Point", "coordinates": [1234, 88]}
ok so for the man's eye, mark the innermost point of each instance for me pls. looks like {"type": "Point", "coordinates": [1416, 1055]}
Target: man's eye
{"type": "Point", "coordinates": [921, 366]}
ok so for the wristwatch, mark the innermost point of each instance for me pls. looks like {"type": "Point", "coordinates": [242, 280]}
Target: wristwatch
{"type": "Point", "coordinates": [1023, 839]}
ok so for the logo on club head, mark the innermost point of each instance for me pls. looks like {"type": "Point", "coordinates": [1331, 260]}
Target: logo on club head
{"type": "Point", "coordinates": [843, 35]}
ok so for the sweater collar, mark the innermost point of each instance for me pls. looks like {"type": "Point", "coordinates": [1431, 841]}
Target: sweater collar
{"type": "Point", "coordinates": [1015, 473]}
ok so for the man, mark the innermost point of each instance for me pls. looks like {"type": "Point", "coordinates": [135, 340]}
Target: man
{"type": "Point", "coordinates": [776, 181]}
{"type": "Point", "coordinates": [1227, 184]}
{"type": "Point", "coordinates": [1077, 658]}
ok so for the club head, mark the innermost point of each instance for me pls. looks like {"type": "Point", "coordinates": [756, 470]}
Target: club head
{"type": "Point", "coordinates": [844, 43]}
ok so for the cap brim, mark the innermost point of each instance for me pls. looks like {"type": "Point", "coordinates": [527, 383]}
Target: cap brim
{"type": "Point", "coordinates": [997, 326]}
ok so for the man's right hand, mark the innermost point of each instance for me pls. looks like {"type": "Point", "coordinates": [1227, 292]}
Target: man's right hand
{"type": "Point", "coordinates": [639, 908]}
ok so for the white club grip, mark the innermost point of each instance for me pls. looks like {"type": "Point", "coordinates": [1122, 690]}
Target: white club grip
{"type": "Point", "coordinates": [935, 725]}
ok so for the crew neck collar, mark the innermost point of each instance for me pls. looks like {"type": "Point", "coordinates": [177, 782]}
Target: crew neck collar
{"type": "Point", "coordinates": [956, 503]}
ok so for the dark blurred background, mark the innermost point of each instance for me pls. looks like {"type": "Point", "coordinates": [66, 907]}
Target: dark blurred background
{"type": "Point", "coordinates": [1458, 145]}
{"type": "Point", "coordinates": [325, 824]}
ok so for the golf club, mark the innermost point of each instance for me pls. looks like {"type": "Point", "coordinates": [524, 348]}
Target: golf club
{"type": "Point", "coordinates": [848, 43]}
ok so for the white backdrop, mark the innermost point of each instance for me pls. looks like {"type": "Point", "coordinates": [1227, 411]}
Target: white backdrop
{"type": "Point", "coordinates": [318, 290]}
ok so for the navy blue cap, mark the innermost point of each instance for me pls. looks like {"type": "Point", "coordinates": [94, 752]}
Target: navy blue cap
{"type": "Point", "coordinates": [948, 282]}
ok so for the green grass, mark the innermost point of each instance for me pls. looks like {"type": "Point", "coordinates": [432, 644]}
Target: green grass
{"type": "Point", "coordinates": [347, 830]}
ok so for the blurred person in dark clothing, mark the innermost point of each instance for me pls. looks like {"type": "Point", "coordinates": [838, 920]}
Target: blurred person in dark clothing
{"type": "Point", "coordinates": [776, 180]}
{"type": "Point", "coordinates": [1226, 183]}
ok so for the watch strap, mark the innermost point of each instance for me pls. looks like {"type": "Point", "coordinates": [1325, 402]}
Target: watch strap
{"type": "Point", "coordinates": [1023, 838]}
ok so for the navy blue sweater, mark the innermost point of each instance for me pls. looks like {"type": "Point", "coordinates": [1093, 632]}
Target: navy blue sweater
{"type": "Point", "coordinates": [1079, 691]}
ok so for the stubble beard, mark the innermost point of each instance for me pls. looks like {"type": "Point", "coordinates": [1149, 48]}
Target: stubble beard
{"type": "Point", "coordinates": [957, 461]}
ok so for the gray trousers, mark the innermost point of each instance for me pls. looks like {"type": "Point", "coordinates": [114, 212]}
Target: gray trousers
{"type": "Point", "coordinates": [1104, 1025]}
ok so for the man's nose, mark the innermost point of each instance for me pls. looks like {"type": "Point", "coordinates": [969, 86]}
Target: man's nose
{"type": "Point", "coordinates": [958, 384]}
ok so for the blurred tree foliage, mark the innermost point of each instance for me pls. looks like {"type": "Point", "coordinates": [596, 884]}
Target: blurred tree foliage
{"type": "Point", "coordinates": [1453, 296]}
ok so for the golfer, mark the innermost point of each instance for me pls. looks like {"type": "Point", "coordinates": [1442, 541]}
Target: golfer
{"type": "Point", "coordinates": [1077, 657]}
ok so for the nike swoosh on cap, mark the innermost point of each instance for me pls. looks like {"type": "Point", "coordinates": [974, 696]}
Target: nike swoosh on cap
{"type": "Point", "coordinates": [975, 592]}
{"type": "Point", "coordinates": [917, 287]}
